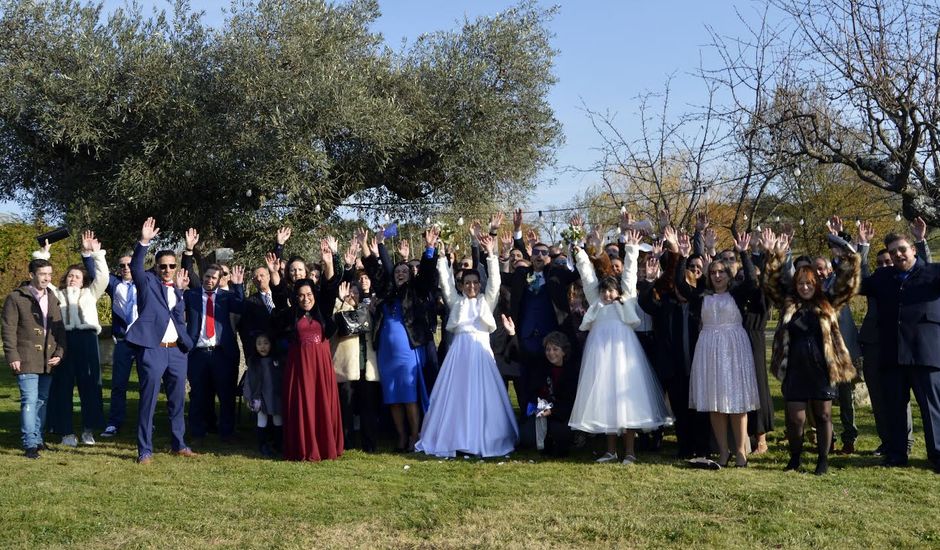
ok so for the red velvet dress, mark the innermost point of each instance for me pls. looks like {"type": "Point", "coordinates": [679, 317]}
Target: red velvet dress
{"type": "Point", "coordinates": [313, 428]}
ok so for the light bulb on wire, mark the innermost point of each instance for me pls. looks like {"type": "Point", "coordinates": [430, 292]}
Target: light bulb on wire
{"type": "Point", "coordinates": [898, 217]}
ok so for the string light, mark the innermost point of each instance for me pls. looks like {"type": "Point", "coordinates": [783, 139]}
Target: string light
{"type": "Point", "coordinates": [802, 221]}
{"type": "Point", "coordinates": [460, 220]}
{"type": "Point", "coordinates": [898, 217]}
{"type": "Point", "coordinates": [797, 172]}
{"type": "Point", "coordinates": [317, 208]}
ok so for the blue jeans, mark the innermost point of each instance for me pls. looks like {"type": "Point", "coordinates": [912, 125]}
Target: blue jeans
{"type": "Point", "coordinates": [34, 392]}
{"type": "Point", "coordinates": [121, 363]}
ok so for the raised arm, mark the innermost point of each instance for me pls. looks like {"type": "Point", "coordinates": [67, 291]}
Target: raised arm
{"type": "Point", "coordinates": [92, 248]}
{"type": "Point", "coordinates": [446, 280]}
{"type": "Point", "coordinates": [491, 295]}
{"type": "Point", "coordinates": [848, 279]}
{"type": "Point", "coordinates": [632, 252]}
{"type": "Point", "coordinates": [588, 276]}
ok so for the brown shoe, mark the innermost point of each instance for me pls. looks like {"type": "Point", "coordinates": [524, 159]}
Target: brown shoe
{"type": "Point", "coordinates": [145, 460]}
{"type": "Point", "coordinates": [847, 449]}
{"type": "Point", "coordinates": [186, 452]}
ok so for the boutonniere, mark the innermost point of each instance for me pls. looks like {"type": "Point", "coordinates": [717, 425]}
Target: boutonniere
{"type": "Point", "coordinates": [533, 282]}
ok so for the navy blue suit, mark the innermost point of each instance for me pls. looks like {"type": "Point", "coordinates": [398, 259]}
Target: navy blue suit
{"type": "Point", "coordinates": [123, 356]}
{"type": "Point", "coordinates": [156, 361]}
{"type": "Point", "coordinates": [909, 329]}
{"type": "Point", "coordinates": [213, 370]}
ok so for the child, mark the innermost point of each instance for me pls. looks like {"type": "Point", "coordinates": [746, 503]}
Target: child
{"type": "Point", "coordinates": [617, 390]}
{"type": "Point", "coordinates": [263, 393]}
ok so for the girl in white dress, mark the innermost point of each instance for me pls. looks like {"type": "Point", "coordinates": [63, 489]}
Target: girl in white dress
{"type": "Point", "coordinates": [617, 390]}
{"type": "Point", "coordinates": [470, 410]}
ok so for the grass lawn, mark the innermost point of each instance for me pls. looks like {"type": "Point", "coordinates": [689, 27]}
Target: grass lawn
{"type": "Point", "coordinates": [97, 497]}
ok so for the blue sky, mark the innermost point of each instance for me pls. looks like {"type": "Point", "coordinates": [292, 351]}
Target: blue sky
{"type": "Point", "coordinates": [610, 51]}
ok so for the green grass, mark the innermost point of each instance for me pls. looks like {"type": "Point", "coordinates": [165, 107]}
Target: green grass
{"type": "Point", "coordinates": [229, 497]}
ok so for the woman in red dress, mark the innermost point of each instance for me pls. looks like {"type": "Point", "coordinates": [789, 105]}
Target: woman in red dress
{"type": "Point", "coordinates": [313, 428]}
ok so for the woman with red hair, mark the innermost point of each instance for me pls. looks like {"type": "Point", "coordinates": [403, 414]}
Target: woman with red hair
{"type": "Point", "coordinates": [809, 354]}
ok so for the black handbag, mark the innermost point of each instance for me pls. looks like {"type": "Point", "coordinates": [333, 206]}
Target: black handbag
{"type": "Point", "coordinates": [353, 322]}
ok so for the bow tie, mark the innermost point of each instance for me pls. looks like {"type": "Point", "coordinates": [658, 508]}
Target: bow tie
{"type": "Point", "coordinates": [168, 284]}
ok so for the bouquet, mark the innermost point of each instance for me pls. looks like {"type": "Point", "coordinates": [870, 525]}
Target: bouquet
{"type": "Point", "coordinates": [573, 234]}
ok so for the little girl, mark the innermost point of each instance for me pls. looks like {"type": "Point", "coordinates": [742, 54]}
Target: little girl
{"type": "Point", "coordinates": [263, 393]}
{"type": "Point", "coordinates": [617, 390]}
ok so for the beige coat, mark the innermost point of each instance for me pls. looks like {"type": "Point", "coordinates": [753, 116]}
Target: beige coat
{"type": "Point", "coordinates": [347, 353]}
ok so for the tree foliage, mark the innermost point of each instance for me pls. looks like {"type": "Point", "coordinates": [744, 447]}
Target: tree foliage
{"type": "Point", "coordinates": [108, 118]}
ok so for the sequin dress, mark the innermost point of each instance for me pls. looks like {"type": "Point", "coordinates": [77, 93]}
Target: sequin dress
{"type": "Point", "coordinates": [723, 378]}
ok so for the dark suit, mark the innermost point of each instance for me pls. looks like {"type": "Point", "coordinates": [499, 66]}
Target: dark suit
{"type": "Point", "coordinates": [254, 320]}
{"type": "Point", "coordinates": [909, 327]}
{"type": "Point", "coordinates": [156, 361]}
{"type": "Point", "coordinates": [213, 369]}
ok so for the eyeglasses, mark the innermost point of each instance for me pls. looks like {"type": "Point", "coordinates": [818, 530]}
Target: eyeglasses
{"type": "Point", "coordinates": [539, 252]}
{"type": "Point", "coordinates": [167, 266]}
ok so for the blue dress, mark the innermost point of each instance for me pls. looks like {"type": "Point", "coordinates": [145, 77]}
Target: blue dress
{"type": "Point", "coordinates": [399, 364]}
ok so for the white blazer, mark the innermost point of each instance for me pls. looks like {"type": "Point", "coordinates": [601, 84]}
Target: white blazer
{"type": "Point", "coordinates": [80, 305]}
{"type": "Point", "coordinates": [459, 304]}
{"type": "Point", "coordinates": [626, 305]}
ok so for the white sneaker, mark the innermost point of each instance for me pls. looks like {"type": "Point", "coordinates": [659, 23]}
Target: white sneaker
{"type": "Point", "coordinates": [608, 457]}
{"type": "Point", "coordinates": [629, 460]}
{"type": "Point", "coordinates": [110, 431]}
{"type": "Point", "coordinates": [70, 440]}
{"type": "Point", "coordinates": [87, 438]}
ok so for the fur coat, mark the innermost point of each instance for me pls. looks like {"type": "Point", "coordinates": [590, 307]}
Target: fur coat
{"type": "Point", "coordinates": [848, 280]}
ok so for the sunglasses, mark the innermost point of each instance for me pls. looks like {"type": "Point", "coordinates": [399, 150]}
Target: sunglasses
{"type": "Point", "coordinates": [167, 266]}
{"type": "Point", "coordinates": [124, 265]}
{"type": "Point", "coordinates": [539, 252]}
{"type": "Point", "coordinates": [225, 273]}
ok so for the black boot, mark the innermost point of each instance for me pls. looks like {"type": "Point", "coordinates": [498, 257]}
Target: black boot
{"type": "Point", "coordinates": [277, 437]}
{"type": "Point", "coordinates": [822, 465]}
{"type": "Point", "coordinates": [264, 446]}
{"type": "Point", "coordinates": [795, 462]}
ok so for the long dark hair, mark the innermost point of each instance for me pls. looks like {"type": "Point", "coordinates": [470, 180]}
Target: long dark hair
{"type": "Point", "coordinates": [86, 279]}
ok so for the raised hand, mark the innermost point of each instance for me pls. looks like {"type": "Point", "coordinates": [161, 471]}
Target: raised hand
{"type": "Point", "coordinates": [148, 231]}
{"type": "Point", "coordinates": [283, 234]}
{"type": "Point", "coordinates": [496, 220]}
{"type": "Point", "coordinates": [664, 219]}
{"type": "Point", "coordinates": [430, 236]}
{"type": "Point", "coordinates": [326, 252]}
{"type": "Point", "coordinates": [352, 252]}
{"type": "Point", "coordinates": [476, 228]}
{"type": "Point", "coordinates": [270, 260]}
{"type": "Point", "coordinates": [238, 274]}
{"type": "Point", "coordinates": [508, 324]}
{"type": "Point", "coordinates": [866, 232]}
{"type": "Point", "coordinates": [657, 247]}
{"type": "Point", "coordinates": [373, 247]}
{"type": "Point", "coordinates": [783, 242]}
{"type": "Point", "coordinates": [631, 236]}
{"type": "Point", "coordinates": [576, 221]}
{"type": "Point", "coordinates": [594, 237]}
{"type": "Point", "coordinates": [89, 242]}
{"type": "Point", "coordinates": [333, 243]}
{"type": "Point", "coordinates": [788, 230]}
{"type": "Point", "coordinates": [918, 229]}
{"type": "Point", "coordinates": [360, 235]}
{"type": "Point", "coordinates": [532, 237]}
{"type": "Point", "coordinates": [182, 279]}
{"type": "Point", "coordinates": [768, 239]}
{"type": "Point", "coordinates": [192, 238]}
{"type": "Point", "coordinates": [652, 267]}
{"type": "Point", "coordinates": [834, 225]}
{"type": "Point", "coordinates": [488, 243]}
{"type": "Point", "coordinates": [404, 248]}
{"type": "Point", "coordinates": [505, 239]}
{"type": "Point", "coordinates": [343, 292]}
{"type": "Point", "coordinates": [670, 235]}
{"type": "Point", "coordinates": [380, 235]}
{"type": "Point", "coordinates": [517, 219]}
{"type": "Point", "coordinates": [701, 221]}
{"type": "Point", "coordinates": [742, 241]}
{"type": "Point", "coordinates": [710, 238]}
{"type": "Point", "coordinates": [685, 244]}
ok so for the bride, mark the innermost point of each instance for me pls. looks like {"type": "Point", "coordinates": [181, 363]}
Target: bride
{"type": "Point", "coordinates": [469, 410]}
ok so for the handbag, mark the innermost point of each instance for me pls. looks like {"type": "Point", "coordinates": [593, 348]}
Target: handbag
{"type": "Point", "coordinates": [353, 322]}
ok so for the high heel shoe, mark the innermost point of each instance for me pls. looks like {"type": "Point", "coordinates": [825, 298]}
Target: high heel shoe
{"type": "Point", "coordinates": [723, 459]}
{"type": "Point", "coordinates": [740, 461]}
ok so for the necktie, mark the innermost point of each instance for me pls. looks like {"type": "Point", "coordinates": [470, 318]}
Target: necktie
{"type": "Point", "coordinates": [210, 316]}
{"type": "Point", "coordinates": [129, 302]}
{"type": "Point", "coordinates": [266, 298]}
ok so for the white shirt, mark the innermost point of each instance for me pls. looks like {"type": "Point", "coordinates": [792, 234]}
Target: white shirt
{"type": "Point", "coordinates": [205, 342]}
{"type": "Point", "coordinates": [170, 336]}
{"type": "Point", "coordinates": [120, 301]}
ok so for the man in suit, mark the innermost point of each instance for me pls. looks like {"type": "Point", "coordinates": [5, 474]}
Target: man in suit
{"type": "Point", "coordinates": [257, 308]}
{"type": "Point", "coordinates": [213, 361]}
{"type": "Point", "coordinates": [907, 296]}
{"type": "Point", "coordinates": [160, 342]}
{"type": "Point", "coordinates": [123, 296]}
{"type": "Point", "coordinates": [538, 301]}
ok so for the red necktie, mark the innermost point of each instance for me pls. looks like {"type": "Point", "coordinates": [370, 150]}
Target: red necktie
{"type": "Point", "coordinates": [210, 316]}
